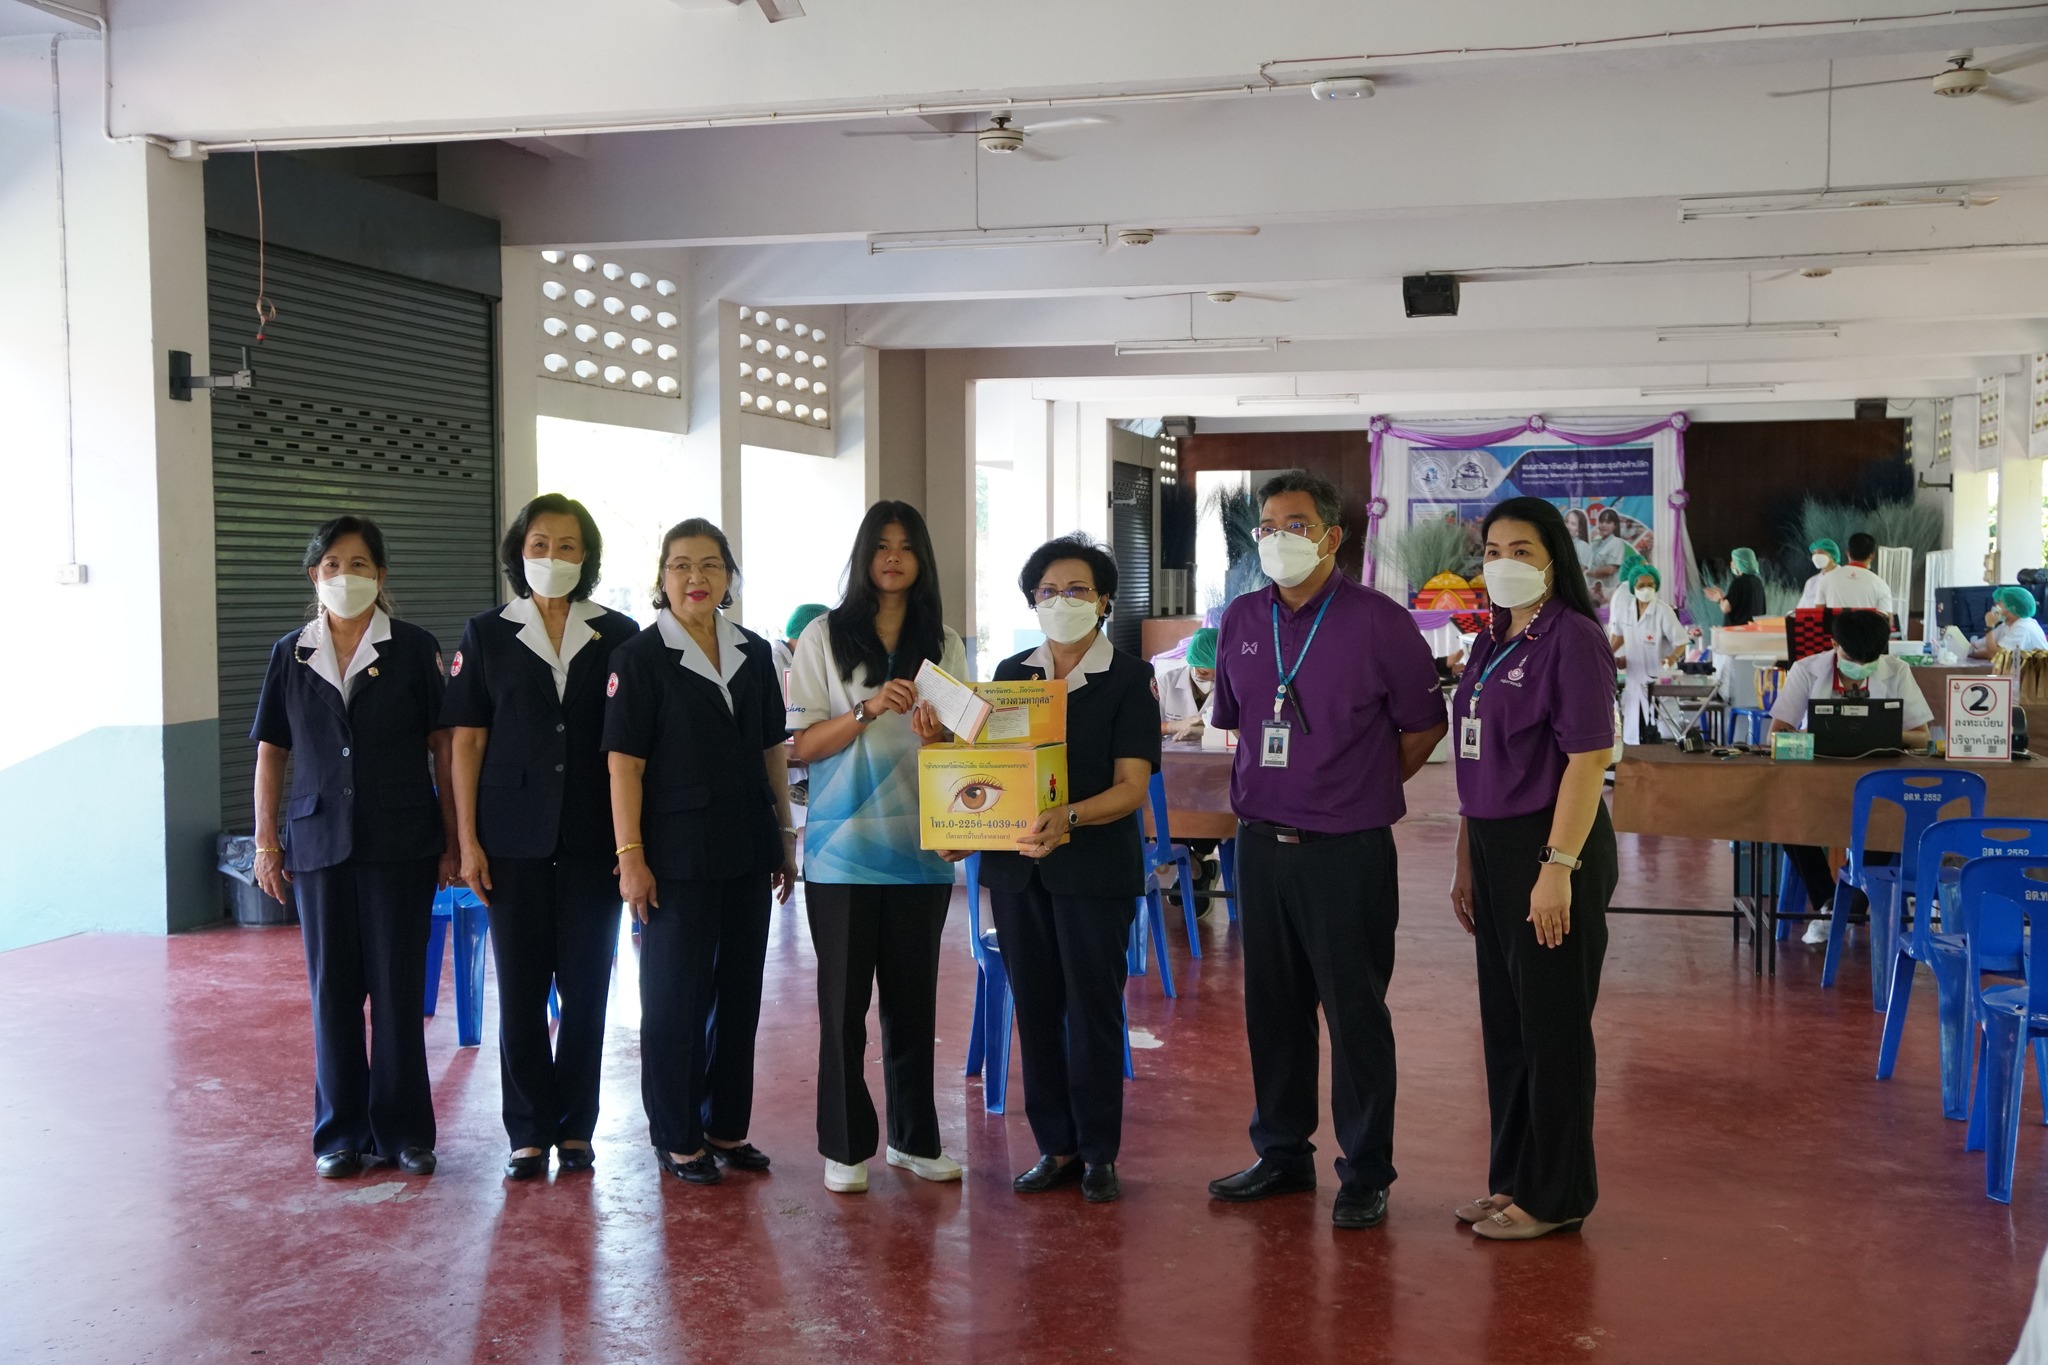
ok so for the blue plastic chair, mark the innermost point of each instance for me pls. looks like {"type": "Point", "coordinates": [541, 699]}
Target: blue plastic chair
{"type": "Point", "coordinates": [1922, 793]}
{"type": "Point", "coordinates": [988, 1039]}
{"type": "Point", "coordinates": [1997, 894]}
{"type": "Point", "coordinates": [1226, 861]}
{"type": "Point", "coordinates": [1748, 725]}
{"type": "Point", "coordinates": [1791, 891]}
{"type": "Point", "coordinates": [458, 908]}
{"type": "Point", "coordinates": [1162, 852]}
{"type": "Point", "coordinates": [1947, 952]}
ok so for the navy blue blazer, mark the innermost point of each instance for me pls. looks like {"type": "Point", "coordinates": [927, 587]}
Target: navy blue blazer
{"type": "Point", "coordinates": [362, 787]}
{"type": "Point", "coordinates": [707, 812]}
{"type": "Point", "coordinates": [543, 788]}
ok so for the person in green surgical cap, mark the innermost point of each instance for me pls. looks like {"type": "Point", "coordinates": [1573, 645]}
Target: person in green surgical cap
{"type": "Point", "coordinates": [2011, 627]}
{"type": "Point", "coordinates": [1185, 687]}
{"type": "Point", "coordinates": [1743, 601]}
{"type": "Point", "coordinates": [784, 649]}
{"type": "Point", "coordinates": [1827, 557]}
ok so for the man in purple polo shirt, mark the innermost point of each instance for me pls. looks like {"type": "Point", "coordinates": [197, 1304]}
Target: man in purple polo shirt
{"type": "Point", "coordinates": [1335, 694]}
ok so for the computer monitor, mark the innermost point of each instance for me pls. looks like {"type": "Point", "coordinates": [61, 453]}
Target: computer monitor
{"type": "Point", "coordinates": [1849, 727]}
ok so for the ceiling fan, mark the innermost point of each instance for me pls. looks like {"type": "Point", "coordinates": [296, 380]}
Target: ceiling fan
{"type": "Point", "coordinates": [1001, 137]}
{"type": "Point", "coordinates": [1142, 236]}
{"type": "Point", "coordinates": [1214, 295]}
{"type": "Point", "coordinates": [1960, 78]}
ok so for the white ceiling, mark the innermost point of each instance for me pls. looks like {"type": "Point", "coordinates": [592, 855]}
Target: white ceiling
{"type": "Point", "coordinates": [1548, 179]}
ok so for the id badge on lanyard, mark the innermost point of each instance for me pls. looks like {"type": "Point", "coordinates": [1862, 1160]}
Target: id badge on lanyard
{"type": "Point", "coordinates": [1468, 724]}
{"type": "Point", "coordinates": [1276, 735]}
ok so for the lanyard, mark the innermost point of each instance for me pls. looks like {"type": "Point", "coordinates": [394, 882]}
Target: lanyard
{"type": "Point", "coordinates": [1287, 674]}
{"type": "Point", "coordinates": [1472, 707]}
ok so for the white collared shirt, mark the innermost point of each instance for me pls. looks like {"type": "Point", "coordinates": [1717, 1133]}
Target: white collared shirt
{"type": "Point", "coordinates": [1853, 587]}
{"type": "Point", "coordinates": [1095, 660]}
{"type": "Point", "coordinates": [325, 662]}
{"type": "Point", "coordinates": [533, 633]}
{"type": "Point", "coordinates": [731, 651]}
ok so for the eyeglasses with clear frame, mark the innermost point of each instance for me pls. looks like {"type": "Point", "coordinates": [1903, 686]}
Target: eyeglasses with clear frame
{"type": "Point", "coordinates": [1293, 528]}
{"type": "Point", "coordinates": [1046, 592]}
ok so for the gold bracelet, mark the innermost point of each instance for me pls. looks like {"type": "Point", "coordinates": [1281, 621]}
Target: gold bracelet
{"type": "Point", "coordinates": [270, 850]}
{"type": "Point", "coordinates": [623, 849]}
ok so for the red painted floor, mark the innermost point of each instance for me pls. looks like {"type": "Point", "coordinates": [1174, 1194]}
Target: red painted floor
{"type": "Point", "coordinates": [1763, 1198]}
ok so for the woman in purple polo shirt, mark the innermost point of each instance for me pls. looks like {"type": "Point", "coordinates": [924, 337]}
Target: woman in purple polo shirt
{"type": "Point", "coordinates": [1533, 721]}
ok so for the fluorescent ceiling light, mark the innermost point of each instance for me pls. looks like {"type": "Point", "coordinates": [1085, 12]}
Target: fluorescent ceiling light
{"type": "Point", "coordinates": [1197, 344]}
{"type": "Point", "coordinates": [974, 239]}
{"type": "Point", "coordinates": [1709, 390]}
{"type": "Point", "coordinates": [1751, 329]}
{"type": "Point", "coordinates": [1837, 201]}
{"type": "Point", "coordinates": [1249, 400]}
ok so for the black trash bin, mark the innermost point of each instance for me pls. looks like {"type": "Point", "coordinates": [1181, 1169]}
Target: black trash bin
{"type": "Point", "coordinates": [248, 903]}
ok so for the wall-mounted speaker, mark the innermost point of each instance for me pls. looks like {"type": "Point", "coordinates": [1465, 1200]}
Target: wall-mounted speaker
{"type": "Point", "coordinates": [1430, 296]}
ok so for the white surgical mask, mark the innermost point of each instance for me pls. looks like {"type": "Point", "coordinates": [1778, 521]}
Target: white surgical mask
{"type": "Point", "coordinates": [1646, 595]}
{"type": "Point", "coordinates": [1066, 621]}
{"type": "Point", "coordinates": [347, 595]}
{"type": "Point", "coordinates": [1288, 558]}
{"type": "Point", "coordinates": [1821, 562]}
{"type": "Point", "coordinates": [1513, 583]}
{"type": "Point", "coordinates": [553, 577]}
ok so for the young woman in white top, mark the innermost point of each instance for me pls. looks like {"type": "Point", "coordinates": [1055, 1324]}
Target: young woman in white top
{"type": "Point", "coordinates": [877, 902]}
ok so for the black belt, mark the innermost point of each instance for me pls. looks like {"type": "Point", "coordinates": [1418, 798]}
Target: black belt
{"type": "Point", "coordinates": [1287, 834]}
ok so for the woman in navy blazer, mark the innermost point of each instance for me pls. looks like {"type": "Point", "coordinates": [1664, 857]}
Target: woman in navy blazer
{"type": "Point", "coordinates": [355, 699]}
{"type": "Point", "coordinates": [700, 809]}
{"type": "Point", "coordinates": [534, 821]}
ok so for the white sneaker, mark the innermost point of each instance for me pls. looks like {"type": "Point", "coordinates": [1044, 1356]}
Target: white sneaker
{"type": "Point", "coordinates": [842, 1179]}
{"type": "Point", "coordinates": [940, 1167]}
{"type": "Point", "coordinates": [1816, 931]}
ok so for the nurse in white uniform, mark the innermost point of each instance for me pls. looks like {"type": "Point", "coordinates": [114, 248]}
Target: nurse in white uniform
{"type": "Point", "coordinates": [1826, 557]}
{"type": "Point", "coordinates": [1645, 632]}
{"type": "Point", "coordinates": [1187, 687]}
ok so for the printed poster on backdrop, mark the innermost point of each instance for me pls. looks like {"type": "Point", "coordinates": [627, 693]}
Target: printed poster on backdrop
{"type": "Point", "coordinates": [1607, 495]}
{"type": "Point", "coordinates": [1980, 719]}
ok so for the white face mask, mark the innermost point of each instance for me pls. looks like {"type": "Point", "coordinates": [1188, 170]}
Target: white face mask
{"type": "Point", "coordinates": [347, 595]}
{"type": "Point", "coordinates": [1822, 562]}
{"type": "Point", "coordinates": [1288, 559]}
{"type": "Point", "coordinates": [1513, 583]}
{"type": "Point", "coordinates": [1066, 621]}
{"type": "Point", "coordinates": [553, 577]}
{"type": "Point", "coordinates": [1646, 595]}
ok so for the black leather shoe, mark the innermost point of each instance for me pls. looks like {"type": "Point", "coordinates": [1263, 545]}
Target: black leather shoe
{"type": "Point", "coordinates": [531, 1167]}
{"type": "Point", "coordinates": [1048, 1174]}
{"type": "Point", "coordinates": [417, 1160]}
{"type": "Point", "coordinates": [698, 1170]}
{"type": "Point", "coordinates": [574, 1158]}
{"type": "Point", "coordinates": [1099, 1185]}
{"type": "Point", "coordinates": [336, 1165]}
{"type": "Point", "coordinates": [1360, 1206]}
{"type": "Point", "coordinates": [745, 1157]}
{"type": "Point", "coordinates": [1263, 1179]}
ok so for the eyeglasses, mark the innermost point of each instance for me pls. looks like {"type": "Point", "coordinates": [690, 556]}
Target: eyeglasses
{"type": "Point", "coordinates": [1047, 593]}
{"type": "Point", "coordinates": [707, 567]}
{"type": "Point", "coordinates": [1293, 528]}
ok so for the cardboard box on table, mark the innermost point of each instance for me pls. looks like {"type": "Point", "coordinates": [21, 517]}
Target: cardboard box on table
{"type": "Point", "coordinates": [984, 790]}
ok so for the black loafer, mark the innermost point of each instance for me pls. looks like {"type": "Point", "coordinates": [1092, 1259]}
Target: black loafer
{"type": "Point", "coordinates": [1263, 1179]}
{"type": "Point", "coordinates": [1099, 1185]}
{"type": "Point", "coordinates": [745, 1157]}
{"type": "Point", "coordinates": [698, 1170]}
{"type": "Point", "coordinates": [1360, 1206]}
{"type": "Point", "coordinates": [1049, 1174]}
{"type": "Point", "coordinates": [337, 1165]}
{"type": "Point", "coordinates": [574, 1158]}
{"type": "Point", "coordinates": [417, 1161]}
{"type": "Point", "coordinates": [526, 1167]}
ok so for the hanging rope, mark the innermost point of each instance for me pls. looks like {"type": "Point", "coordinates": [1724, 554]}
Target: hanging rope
{"type": "Point", "coordinates": [266, 311]}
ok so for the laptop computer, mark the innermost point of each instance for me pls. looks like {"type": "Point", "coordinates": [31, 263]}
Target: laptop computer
{"type": "Point", "coordinates": [1849, 727]}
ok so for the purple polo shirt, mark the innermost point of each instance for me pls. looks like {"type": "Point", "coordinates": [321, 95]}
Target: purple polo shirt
{"type": "Point", "coordinates": [1552, 696]}
{"type": "Point", "coordinates": [1368, 678]}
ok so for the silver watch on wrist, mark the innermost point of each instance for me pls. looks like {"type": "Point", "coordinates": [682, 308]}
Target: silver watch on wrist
{"type": "Point", "coordinates": [1561, 858]}
{"type": "Point", "coordinates": [861, 714]}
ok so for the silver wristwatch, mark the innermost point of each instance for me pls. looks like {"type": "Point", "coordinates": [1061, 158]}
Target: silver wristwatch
{"type": "Point", "coordinates": [1562, 859]}
{"type": "Point", "coordinates": [861, 713]}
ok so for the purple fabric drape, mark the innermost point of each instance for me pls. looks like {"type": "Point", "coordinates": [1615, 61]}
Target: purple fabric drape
{"type": "Point", "coordinates": [1381, 428]}
{"type": "Point", "coordinates": [1433, 620]}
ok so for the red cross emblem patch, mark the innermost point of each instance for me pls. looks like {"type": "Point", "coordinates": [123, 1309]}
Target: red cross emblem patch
{"type": "Point", "coordinates": [455, 669]}
{"type": "Point", "coordinates": [611, 689]}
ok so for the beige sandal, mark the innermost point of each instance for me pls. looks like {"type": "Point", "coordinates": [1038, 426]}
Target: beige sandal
{"type": "Point", "coordinates": [1479, 1209]}
{"type": "Point", "coordinates": [1501, 1228]}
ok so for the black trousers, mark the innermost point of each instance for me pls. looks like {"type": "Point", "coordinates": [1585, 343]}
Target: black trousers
{"type": "Point", "coordinates": [1536, 1013]}
{"type": "Point", "coordinates": [701, 956]}
{"type": "Point", "coordinates": [886, 937]}
{"type": "Point", "coordinates": [1811, 862]}
{"type": "Point", "coordinates": [1318, 919]}
{"type": "Point", "coordinates": [554, 923]}
{"type": "Point", "coordinates": [365, 927]}
{"type": "Point", "coordinates": [1065, 958]}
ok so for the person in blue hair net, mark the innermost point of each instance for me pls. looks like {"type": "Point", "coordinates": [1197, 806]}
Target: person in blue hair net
{"type": "Point", "coordinates": [2010, 626]}
{"type": "Point", "coordinates": [1743, 601]}
{"type": "Point", "coordinates": [1187, 685]}
{"type": "Point", "coordinates": [1646, 633]}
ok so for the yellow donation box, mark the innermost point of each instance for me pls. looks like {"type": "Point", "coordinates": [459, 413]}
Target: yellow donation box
{"type": "Point", "coordinates": [983, 796]}
{"type": "Point", "coordinates": [1031, 712]}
